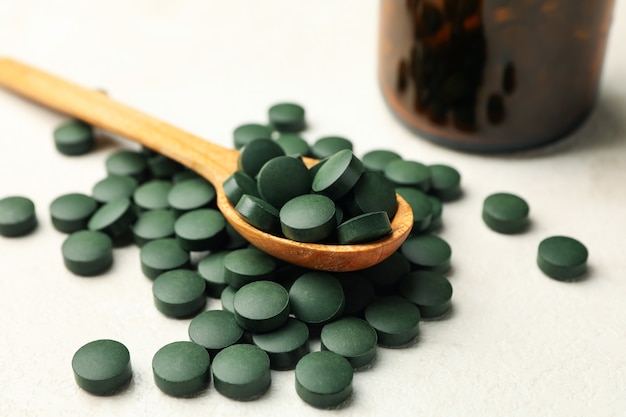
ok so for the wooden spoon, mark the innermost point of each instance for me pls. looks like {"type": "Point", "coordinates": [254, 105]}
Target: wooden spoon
{"type": "Point", "coordinates": [213, 162]}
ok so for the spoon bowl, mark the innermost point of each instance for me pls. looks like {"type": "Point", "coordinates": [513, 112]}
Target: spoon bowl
{"type": "Point", "coordinates": [213, 162]}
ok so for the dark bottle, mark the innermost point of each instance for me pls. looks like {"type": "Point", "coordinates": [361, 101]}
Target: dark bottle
{"type": "Point", "coordinates": [492, 75]}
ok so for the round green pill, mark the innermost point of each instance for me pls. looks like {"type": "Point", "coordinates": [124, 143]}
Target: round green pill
{"type": "Point", "coordinates": [358, 292]}
{"type": "Point", "coordinates": [287, 117]}
{"type": "Point", "coordinates": [337, 175]}
{"type": "Point", "coordinates": [330, 145]}
{"type": "Point", "coordinates": [421, 206]}
{"type": "Point", "coordinates": [427, 252]}
{"type": "Point", "coordinates": [243, 266]}
{"type": "Point", "coordinates": [211, 268]}
{"type": "Point", "coordinates": [395, 319]}
{"type": "Point", "coordinates": [113, 187]}
{"type": "Point", "coordinates": [285, 345]}
{"type": "Point", "coordinates": [17, 216]}
{"type": "Point", "coordinates": [384, 275]}
{"type": "Point", "coordinates": [179, 293]}
{"type": "Point", "coordinates": [238, 184]}
{"type": "Point", "coordinates": [244, 134]}
{"type": "Point", "coordinates": [152, 195]}
{"type": "Point", "coordinates": [102, 367]}
{"type": "Point", "coordinates": [429, 290]}
{"type": "Point", "coordinates": [308, 218]}
{"type": "Point", "coordinates": [160, 166]}
{"type": "Point", "coordinates": [87, 252]}
{"type": "Point", "coordinates": [71, 212]}
{"type": "Point", "coordinates": [131, 163]}
{"type": "Point", "coordinates": [152, 225]}
{"type": "Point", "coordinates": [445, 182]}
{"type": "Point", "coordinates": [181, 369]}
{"type": "Point", "coordinates": [74, 138]}
{"type": "Point", "coordinates": [408, 174]}
{"type": "Point", "coordinates": [113, 218]}
{"type": "Point", "coordinates": [241, 372]}
{"type": "Point", "coordinates": [316, 298]}
{"type": "Point", "coordinates": [505, 213]}
{"type": "Point", "coordinates": [200, 230]}
{"type": "Point", "coordinates": [367, 227]}
{"type": "Point", "coordinates": [255, 154]}
{"type": "Point", "coordinates": [261, 306]}
{"type": "Point", "coordinates": [377, 159]}
{"type": "Point", "coordinates": [281, 179]}
{"type": "Point", "coordinates": [324, 379]}
{"type": "Point", "coordinates": [227, 299]}
{"type": "Point", "coordinates": [372, 192]}
{"type": "Point", "coordinates": [215, 330]}
{"type": "Point", "coordinates": [561, 257]}
{"type": "Point", "coordinates": [162, 255]}
{"type": "Point", "coordinates": [351, 337]}
{"type": "Point", "coordinates": [259, 213]}
{"type": "Point", "coordinates": [192, 194]}
{"type": "Point", "coordinates": [293, 144]}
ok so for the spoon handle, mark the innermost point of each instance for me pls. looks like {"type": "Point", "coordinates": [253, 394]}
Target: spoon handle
{"type": "Point", "coordinates": [212, 161]}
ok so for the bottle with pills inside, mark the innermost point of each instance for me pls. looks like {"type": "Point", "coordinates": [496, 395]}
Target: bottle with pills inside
{"type": "Point", "coordinates": [492, 75]}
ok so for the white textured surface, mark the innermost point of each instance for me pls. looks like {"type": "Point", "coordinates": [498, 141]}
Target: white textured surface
{"type": "Point", "coordinates": [516, 343]}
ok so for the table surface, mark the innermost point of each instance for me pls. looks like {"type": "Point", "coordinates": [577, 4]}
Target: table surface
{"type": "Point", "coordinates": [516, 343]}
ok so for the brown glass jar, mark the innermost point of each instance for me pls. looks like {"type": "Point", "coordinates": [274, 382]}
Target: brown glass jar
{"type": "Point", "coordinates": [492, 75]}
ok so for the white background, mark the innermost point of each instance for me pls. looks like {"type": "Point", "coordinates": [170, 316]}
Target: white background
{"type": "Point", "coordinates": [516, 342]}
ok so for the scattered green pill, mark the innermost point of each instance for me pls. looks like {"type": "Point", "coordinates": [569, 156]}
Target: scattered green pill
{"type": "Point", "coordinates": [162, 255]}
{"type": "Point", "coordinates": [427, 252]}
{"type": "Point", "coordinates": [308, 218]}
{"type": "Point", "coordinates": [238, 184]}
{"type": "Point", "coordinates": [113, 218]}
{"type": "Point", "coordinates": [244, 266]}
{"type": "Point", "coordinates": [365, 228]}
{"type": "Point", "coordinates": [74, 138]}
{"type": "Point", "coordinates": [330, 145]}
{"type": "Point", "coordinates": [259, 213]}
{"type": "Point", "coordinates": [372, 192]}
{"type": "Point", "coordinates": [281, 179]}
{"type": "Point", "coordinates": [71, 212]}
{"type": "Point", "coordinates": [562, 257]}
{"type": "Point", "coordinates": [131, 163]}
{"type": "Point", "coordinates": [261, 306]}
{"type": "Point", "coordinates": [191, 194]}
{"type": "Point", "coordinates": [241, 372]}
{"type": "Point", "coordinates": [113, 187]}
{"type": "Point", "coordinates": [293, 144]}
{"type": "Point", "coordinates": [351, 337]}
{"type": "Point", "coordinates": [179, 293]}
{"type": "Point", "coordinates": [162, 167]}
{"type": "Point", "coordinates": [102, 367]}
{"type": "Point", "coordinates": [211, 268]}
{"type": "Point", "coordinates": [152, 195]}
{"type": "Point", "coordinates": [153, 224]}
{"type": "Point", "coordinates": [181, 369]}
{"type": "Point", "coordinates": [244, 134]}
{"type": "Point", "coordinates": [421, 206]}
{"type": "Point", "coordinates": [286, 345]}
{"type": "Point", "coordinates": [287, 117]}
{"type": "Point", "coordinates": [17, 216]}
{"type": "Point", "coordinates": [377, 159]}
{"type": "Point", "coordinates": [445, 182]}
{"type": "Point", "coordinates": [215, 330]}
{"type": "Point", "coordinates": [227, 299]}
{"type": "Point", "coordinates": [395, 319]}
{"type": "Point", "coordinates": [201, 230]}
{"type": "Point", "coordinates": [87, 252]}
{"type": "Point", "coordinates": [408, 174]}
{"type": "Point", "coordinates": [324, 379]}
{"type": "Point", "coordinates": [255, 154]}
{"type": "Point", "coordinates": [429, 290]}
{"type": "Point", "coordinates": [316, 298]}
{"type": "Point", "coordinates": [384, 275]}
{"type": "Point", "coordinates": [358, 292]}
{"type": "Point", "coordinates": [505, 213]}
{"type": "Point", "coordinates": [337, 175]}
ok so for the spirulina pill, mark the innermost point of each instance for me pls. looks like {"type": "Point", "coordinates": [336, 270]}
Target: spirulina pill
{"type": "Point", "coordinates": [316, 298]}
{"type": "Point", "coordinates": [179, 293]}
{"type": "Point", "coordinates": [427, 252]}
{"type": "Point", "coordinates": [113, 187]}
{"type": "Point", "coordinates": [131, 163]}
{"type": "Point", "coordinates": [281, 179]}
{"type": "Point", "coordinates": [87, 252]}
{"type": "Point", "coordinates": [152, 225]}
{"type": "Point", "coordinates": [405, 173]}
{"type": "Point", "coordinates": [238, 184]}
{"type": "Point", "coordinates": [337, 175]}
{"type": "Point", "coordinates": [421, 206]}
{"type": "Point", "coordinates": [71, 212]}
{"type": "Point", "coordinates": [367, 227]}
{"type": "Point", "coordinates": [285, 345]}
{"type": "Point", "coordinates": [429, 290]}
{"type": "Point", "coordinates": [293, 144]}
{"type": "Point", "coordinates": [259, 213]}
{"type": "Point", "coordinates": [562, 257]}
{"type": "Point", "coordinates": [192, 194]}
{"type": "Point", "coordinates": [372, 192]}
{"type": "Point", "coordinates": [74, 138]}
{"type": "Point", "coordinates": [395, 319]}
{"type": "Point", "coordinates": [351, 337]}
{"type": "Point", "coordinates": [152, 195]}
{"type": "Point", "coordinates": [445, 182]}
{"type": "Point", "coordinates": [324, 379]}
{"type": "Point", "coordinates": [246, 133]}
{"type": "Point", "coordinates": [330, 145]}
{"type": "Point", "coordinates": [211, 268]}
{"type": "Point", "coordinates": [385, 275]}
{"type": "Point", "coordinates": [200, 230]}
{"type": "Point", "coordinates": [162, 255]}
{"type": "Point", "coordinates": [17, 216]}
{"type": "Point", "coordinates": [244, 266]}
{"type": "Point", "coordinates": [505, 213]}
{"type": "Point", "coordinates": [162, 167]}
{"type": "Point", "coordinates": [102, 367]}
{"type": "Point", "coordinates": [255, 154]}
{"type": "Point", "coordinates": [261, 306]}
{"type": "Point", "coordinates": [215, 330]}
{"type": "Point", "coordinates": [241, 372]}
{"type": "Point", "coordinates": [377, 159]}
{"type": "Point", "coordinates": [181, 369]}
{"type": "Point", "coordinates": [308, 218]}
{"type": "Point", "coordinates": [227, 298]}
{"type": "Point", "coordinates": [287, 117]}
{"type": "Point", "coordinates": [113, 218]}
{"type": "Point", "coordinates": [358, 292]}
